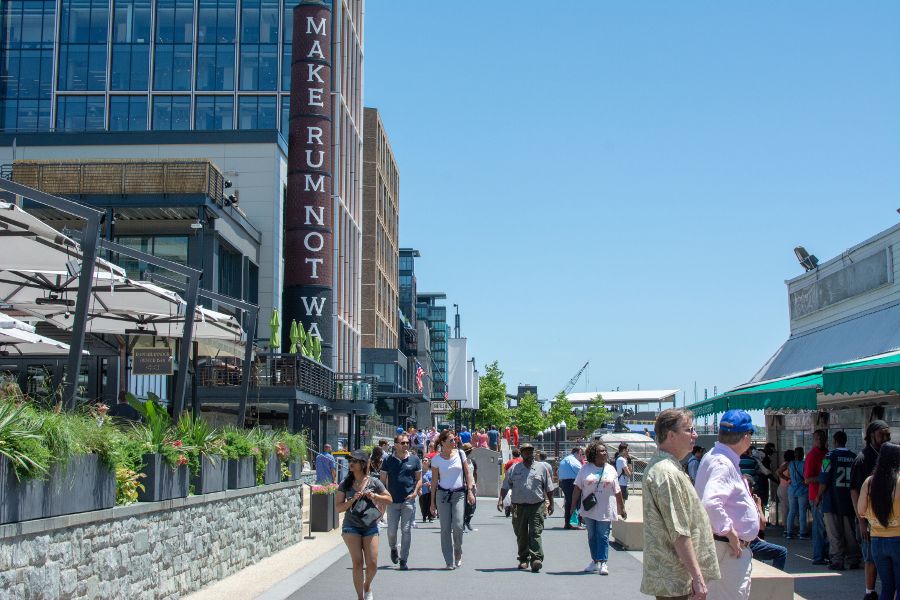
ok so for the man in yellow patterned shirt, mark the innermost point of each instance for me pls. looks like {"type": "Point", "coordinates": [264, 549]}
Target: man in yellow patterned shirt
{"type": "Point", "coordinates": [679, 552]}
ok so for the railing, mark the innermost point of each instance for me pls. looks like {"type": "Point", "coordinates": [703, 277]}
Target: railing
{"type": "Point", "coordinates": [289, 370]}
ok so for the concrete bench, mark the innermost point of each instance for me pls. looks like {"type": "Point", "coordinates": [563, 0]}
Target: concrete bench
{"type": "Point", "coordinates": [769, 583]}
{"type": "Point", "coordinates": [630, 533]}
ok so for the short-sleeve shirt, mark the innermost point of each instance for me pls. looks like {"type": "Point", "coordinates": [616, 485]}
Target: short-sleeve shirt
{"type": "Point", "coordinates": [401, 475]}
{"type": "Point", "coordinates": [621, 463]}
{"type": "Point", "coordinates": [450, 471]}
{"type": "Point", "coordinates": [529, 485]}
{"type": "Point", "coordinates": [493, 438]}
{"type": "Point", "coordinates": [568, 467]}
{"type": "Point", "coordinates": [325, 464]}
{"type": "Point", "coordinates": [465, 437]}
{"type": "Point", "coordinates": [603, 483]}
{"type": "Point", "coordinates": [811, 468]}
{"type": "Point", "coordinates": [863, 467]}
{"type": "Point", "coordinates": [672, 509]}
{"type": "Point", "coordinates": [346, 486]}
{"type": "Point", "coordinates": [836, 469]}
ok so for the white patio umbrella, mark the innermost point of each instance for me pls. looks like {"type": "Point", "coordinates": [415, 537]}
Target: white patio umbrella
{"type": "Point", "coordinates": [29, 243]}
{"type": "Point", "coordinates": [18, 337]}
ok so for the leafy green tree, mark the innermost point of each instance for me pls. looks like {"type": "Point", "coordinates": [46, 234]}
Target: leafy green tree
{"type": "Point", "coordinates": [529, 417]}
{"type": "Point", "coordinates": [493, 408]}
{"type": "Point", "coordinates": [597, 414]}
{"type": "Point", "coordinates": [561, 410]}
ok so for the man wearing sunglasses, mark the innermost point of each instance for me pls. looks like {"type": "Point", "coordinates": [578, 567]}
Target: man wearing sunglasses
{"type": "Point", "coordinates": [401, 474]}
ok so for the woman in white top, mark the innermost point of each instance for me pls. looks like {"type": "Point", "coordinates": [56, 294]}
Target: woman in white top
{"type": "Point", "coordinates": [599, 494]}
{"type": "Point", "coordinates": [450, 487]}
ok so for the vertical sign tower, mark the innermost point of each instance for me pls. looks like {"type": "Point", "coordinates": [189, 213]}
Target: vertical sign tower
{"type": "Point", "coordinates": [308, 218]}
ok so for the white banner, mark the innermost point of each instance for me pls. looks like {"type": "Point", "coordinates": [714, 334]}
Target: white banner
{"type": "Point", "coordinates": [457, 370]}
{"type": "Point", "coordinates": [470, 378]}
{"type": "Point", "coordinates": [476, 385]}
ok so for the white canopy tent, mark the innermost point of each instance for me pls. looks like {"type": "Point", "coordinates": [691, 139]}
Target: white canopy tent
{"type": "Point", "coordinates": [19, 338]}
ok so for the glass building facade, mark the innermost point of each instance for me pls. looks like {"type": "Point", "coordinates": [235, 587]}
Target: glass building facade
{"type": "Point", "coordinates": [133, 65]}
{"type": "Point", "coordinates": [436, 317]}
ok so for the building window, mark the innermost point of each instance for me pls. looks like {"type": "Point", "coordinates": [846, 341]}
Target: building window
{"type": "Point", "coordinates": [171, 112]}
{"type": "Point", "coordinates": [169, 247]}
{"type": "Point", "coordinates": [256, 112]}
{"type": "Point", "coordinates": [216, 28]}
{"type": "Point", "coordinates": [214, 112]}
{"type": "Point", "coordinates": [131, 45]}
{"type": "Point", "coordinates": [128, 113]}
{"type": "Point", "coordinates": [80, 113]}
{"type": "Point", "coordinates": [285, 116]}
{"type": "Point", "coordinates": [26, 64]}
{"type": "Point", "coordinates": [230, 272]}
{"type": "Point", "coordinates": [82, 45]}
{"type": "Point", "coordinates": [172, 57]}
{"type": "Point", "coordinates": [259, 67]}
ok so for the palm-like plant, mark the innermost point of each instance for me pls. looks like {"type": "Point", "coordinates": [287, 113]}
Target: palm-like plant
{"type": "Point", "coordinates": [21, 441]}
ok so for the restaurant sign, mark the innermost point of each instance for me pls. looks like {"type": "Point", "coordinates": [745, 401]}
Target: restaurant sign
{"type": "Point", "coordinates": [151, 361]}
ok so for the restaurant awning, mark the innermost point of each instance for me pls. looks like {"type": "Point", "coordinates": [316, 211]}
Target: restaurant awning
{"type": "Point", "coordinates": [797, 392]}
{"type": "Point", "coordinates": [873, 374]}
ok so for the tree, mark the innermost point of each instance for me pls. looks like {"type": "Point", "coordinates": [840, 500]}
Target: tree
{"type": "Point", "coordinates": [494, 409]}
{"type": "Point", "coordinates": [529, 417]}
{"type": "Point", "coordinates": [597, 414]}
{"type": "Point", "coordinates": [561, 410]}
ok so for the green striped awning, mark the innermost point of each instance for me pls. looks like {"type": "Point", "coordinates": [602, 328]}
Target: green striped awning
{"type": "Point", "coordinates": [797, 392]}
{"type": "Point", "coordinates": [876, 374]}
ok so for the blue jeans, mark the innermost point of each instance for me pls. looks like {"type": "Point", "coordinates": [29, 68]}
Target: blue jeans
{"type": "Point", "coordinates": [763, 550]}
{"type": "Point", "coordinates": [598, 538]}
{"type": "Point", "coordinates": [819, 535]}
{"type": "Point", "coordinates": [797, 507]}
{"type": "Point", "coordinates": [886, 552]}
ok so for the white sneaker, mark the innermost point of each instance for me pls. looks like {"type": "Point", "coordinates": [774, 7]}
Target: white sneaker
{"type": "Point", "coordinates": [604, 570]}
{"type": "Point", "coordinates": [369, 596]}
{"type": "Point", "coordinates": [592, 567]}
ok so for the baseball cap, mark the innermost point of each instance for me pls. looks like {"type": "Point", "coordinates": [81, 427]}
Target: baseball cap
{"type": "Point", "coordinates": [400, 430]}
{"type": "Point", "coordinates": [736, 421]}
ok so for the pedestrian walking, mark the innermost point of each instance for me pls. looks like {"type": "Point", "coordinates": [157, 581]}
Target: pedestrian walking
{"type": "Point", "coordinates": [451, 487]}
{"type": "Point", "coordinates": [679, 552]}
{"type": "Point", "coordinates": [877, 434]}
{"type": "Point", "coordinates": [837, 505]}
{"type": "Point", "coordinates": [326, 466]}
{"type": "Point", "coordinates": [359, 496]}
{"type": "Point", "coordinates": [879, 502]}
{"type": "Point", "coordinates": [425, 492]}
{"type": "Point", "coordinates": [784, 484]}
{"type": "Point", "coordinates": [469, 507]}
{"type": "Point", "coordinates": [566, 473]}
{"type": "Point", "coordinates": [598, 493]}
{"type": "Point", "coordinates": [493, 438]}
{"type": "Point", "coordinates": [530, 485]}
{"type": "Point", "coordinates": [812, 467]}
{"type": "Point", "coordinates": [730, 506]}
{"type": "Point", "coordinates": [623, 468]}
{"type": "Point", "coordinates": [401, 473]}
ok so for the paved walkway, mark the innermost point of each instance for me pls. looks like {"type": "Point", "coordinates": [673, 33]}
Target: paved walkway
{"type": "Point", "coordinates": [489, 566]}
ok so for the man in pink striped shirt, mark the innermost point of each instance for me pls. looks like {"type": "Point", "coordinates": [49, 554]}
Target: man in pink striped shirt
{"type": "Point", "coordinates": [731, 509]}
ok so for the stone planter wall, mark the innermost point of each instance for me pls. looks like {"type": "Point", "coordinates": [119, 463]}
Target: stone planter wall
{"type": "Point", "coordinates": [159, 550]}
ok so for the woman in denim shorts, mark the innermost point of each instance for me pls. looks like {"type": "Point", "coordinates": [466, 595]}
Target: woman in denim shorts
{"type": "Point", "coordinates": [356, 493]}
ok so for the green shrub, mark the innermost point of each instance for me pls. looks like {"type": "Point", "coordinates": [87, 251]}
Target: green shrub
{"type": "Point", "coordinates": [21, 441]}
{"type": "Point", "coordinates": [236, 443]}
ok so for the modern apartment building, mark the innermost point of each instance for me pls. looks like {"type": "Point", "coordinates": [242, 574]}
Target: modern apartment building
{"type": "Point", "coordinates": [381, 216]}
{"type": "Point", "coordinates": [99, 71]}
{"type": "Point", "coordinates": [435, 316]}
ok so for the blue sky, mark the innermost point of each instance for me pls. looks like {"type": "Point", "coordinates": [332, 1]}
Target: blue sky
{"type": "Point", "coordinates": [624, 182]}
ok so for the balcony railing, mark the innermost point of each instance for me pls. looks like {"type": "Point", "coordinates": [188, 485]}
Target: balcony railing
{"type": "Point", "coordinates": [288, 370]}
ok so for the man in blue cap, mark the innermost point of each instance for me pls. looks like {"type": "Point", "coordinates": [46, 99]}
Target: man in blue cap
{"type": "Point", "coordinates": [730, 506]}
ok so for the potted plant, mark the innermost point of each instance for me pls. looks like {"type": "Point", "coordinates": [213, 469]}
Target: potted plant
{"type": "Point", "coordinates": [165, 460]}
{"type": "Point", "coordinates": [291, 452]}
{"type": "Point", "coordinates": [24, 461]}
{"type": "Point", "coordinates": [268, 469]}
{"type": "Point", "coordinates": [322, 512]}
{"type": "Point", "coordinates": [238, 450]}
{"type": "Point", "coordinates": [209, 469]}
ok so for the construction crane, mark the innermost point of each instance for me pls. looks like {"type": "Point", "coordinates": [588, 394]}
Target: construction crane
{"type": "Point", "coordinates": [575, 379]}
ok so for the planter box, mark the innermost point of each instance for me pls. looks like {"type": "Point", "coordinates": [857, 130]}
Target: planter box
{"type": "Point", "coordinates": [273, 471]}
{"type": "Point", "coordinates": [162, 481]}
{"type": "Point", "coordinates": [84, 483]}
{"type": "Point", "coordinates": [213, 475]}
{"type": "Point", "coordinates": [296, 467]}
{"type": "Point", "coordinates": [241, 473]}
{"type": "Point", "coordinates": [20, 500]}
{"type": "Point", "coordinates": [322, 514]}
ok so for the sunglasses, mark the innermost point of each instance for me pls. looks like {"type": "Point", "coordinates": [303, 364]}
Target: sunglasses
{"type": "Point", "coordinates": [403, 443]}
{"type": "Point", "coordinates": [358, 461]}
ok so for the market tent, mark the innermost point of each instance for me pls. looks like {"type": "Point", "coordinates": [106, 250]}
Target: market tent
{"type": "Point", "coordinates": [18, 338]}
{"type": "Point", "coordinates": [874, 374]}
{"type": "Point", "coordinates": [795, 392]}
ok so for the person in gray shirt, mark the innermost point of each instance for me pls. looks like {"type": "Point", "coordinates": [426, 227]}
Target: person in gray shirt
{"type": "Point", "coordinates": [531, 486]}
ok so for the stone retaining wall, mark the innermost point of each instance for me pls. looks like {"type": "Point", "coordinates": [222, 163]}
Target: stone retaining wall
{"type": "Point", "coordinates": [154, 550]}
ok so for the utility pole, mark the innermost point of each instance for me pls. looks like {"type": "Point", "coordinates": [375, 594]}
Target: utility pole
{"type": "Point", "coordinates": [456, 321]}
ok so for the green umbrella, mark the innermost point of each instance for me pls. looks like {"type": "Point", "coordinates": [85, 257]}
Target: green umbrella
{"type": "Point", "coordinates": [295, 336]}
{"type": "Point", "coordinates": [275, 324]}
{"type": "Point", "coordinates": [301, 344]}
